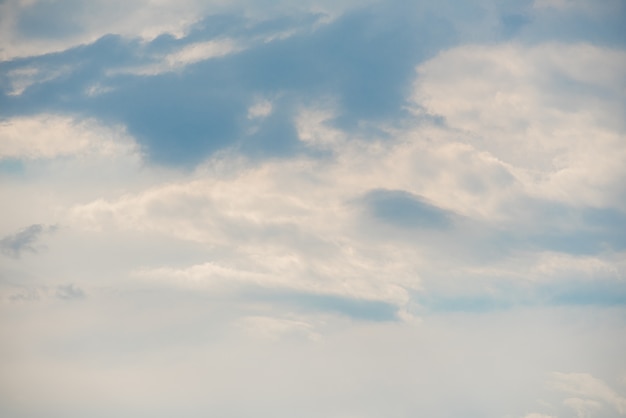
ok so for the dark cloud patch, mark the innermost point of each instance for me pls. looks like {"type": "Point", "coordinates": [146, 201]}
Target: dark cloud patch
{"type": "Point", "coordinates": [469, 303]}
{"type": "Point", "coordinates": [23, 241]}
{"type": "Point", "coordinates": [354, 308]}
{"type": "Point", "coordinates": [361, 309]}
{"type": "Point", "coordinates": [69, 292]}
{"type": "Point", "coordinates": [560, 227]}
{"type": "Point", "coordinates": [590, 292]}
{"type": "Point", "coordinates": [405, 210]}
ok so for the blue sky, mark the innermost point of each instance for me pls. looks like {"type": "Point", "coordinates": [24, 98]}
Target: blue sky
{"type": "Point", "coordinates": [324, 209]}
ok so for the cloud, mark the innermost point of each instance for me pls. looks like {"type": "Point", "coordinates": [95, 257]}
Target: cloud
{"type": "Point", "coordinates": [189, 54]}
{"type": "Point", "coordinates": [252, 359]}
{"type": "Point", "coordinates": [593, 391]}
{"type": "Point", "coordinates": [338, 208]}
{"type": "Point", "coordinates": [21, 293]}
{"type": "Point", "coordinates": [535, 415]}
{"type": "Point", "coordinates": [405, 210]}
{"type": "Point", "coordinates": [500, 100]}
{"type": "Point", "coordinates": [52, 136]}
{"type": "Point", "coordinates": [278, 328]}
{"type": "Point", "coordinates": [351, 59]}
{"type": "Point", "coordinates": [69, 292]}
{"type": "Point", "coordinates": [490, 213]}
{"type": "Point", "coordinates": [24, 240]}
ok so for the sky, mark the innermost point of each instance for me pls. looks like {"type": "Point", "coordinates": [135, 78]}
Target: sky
{"type": "Point", "coordinates": [319, 209]}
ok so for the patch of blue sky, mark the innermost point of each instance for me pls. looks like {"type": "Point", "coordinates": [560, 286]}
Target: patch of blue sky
{"type": "Point", "coordinates": [361, 59]}
{"type": "Point", "coordinates": [365, 60]}
{"type": "Point", "coordinates": [586, 231]}
{"type": "Point", "coordinates": [11, 166]}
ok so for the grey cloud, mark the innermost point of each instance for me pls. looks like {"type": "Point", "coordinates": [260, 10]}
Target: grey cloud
{"type": "Point", "coordinates": [354, 308]}
{"type": "Point", "coordinates": [499, 297]}
{"type": "Point", "coordinates": [23, 241]}
{"type": "Point", "coordinates": [571, 229]}
{"type": "Point", "coordinates": [585, 293]}
{"type": "Point", "coordinates": [69, 292]}
{"type": "Point", "coordinates": [360, 309]}
{"type": "Point", "coordinates": [25, 295]}
{"type": "Point", "coordinates": [403, 209]}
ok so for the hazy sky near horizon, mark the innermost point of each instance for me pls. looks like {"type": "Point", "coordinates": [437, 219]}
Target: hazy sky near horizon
{"type": "Point", "coordinates": [337, 209]}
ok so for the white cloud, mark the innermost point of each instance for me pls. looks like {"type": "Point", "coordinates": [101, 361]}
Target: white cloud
{"type": "Point", "coordinates": [154, 352]}
{"type": "Point", "coordinates": [551, 113]}
{"type": "Point", "coordinates": [543, 266]}
{"type": "Point", "coordinates": [21, 78]}
{"type": "Point", "coordinates": [509, 140]}
{"type": "Point", "coordinates": [189, 54]}
{"type": "Point", "coordinates": [591, 389]}
{"type": "Point", "coordinates": [584, 407]}
{"type": "Point", "coordinates": [313, 130]}
{"type": "Point", "coordinates": [50, 136]}
{"type": "Point", "coordinates": [144, 285]}
{"type": "Point", "coordinates": [300, 224]}
{"type": "Point", "coordinates": [260, 109]}
{"type": "Point", "coordinates": [59, 161]}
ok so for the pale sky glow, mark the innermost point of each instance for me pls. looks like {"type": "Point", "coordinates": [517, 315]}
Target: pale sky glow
{"type": "Point", "coordinates": [325, 209]}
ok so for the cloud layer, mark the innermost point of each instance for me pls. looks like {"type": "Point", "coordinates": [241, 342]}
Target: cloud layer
{"type": "Point", "coordinates": [337, 209]}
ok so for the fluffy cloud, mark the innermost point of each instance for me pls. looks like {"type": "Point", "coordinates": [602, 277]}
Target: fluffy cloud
{"type": "Point", "coordinates": [51, 136]}
{"type": "Point", "coordinates": [593, 391]}
{"type": "Point", "coordinates": [563, 117]}
{"type": "Point", "coordinates": [380, 218]}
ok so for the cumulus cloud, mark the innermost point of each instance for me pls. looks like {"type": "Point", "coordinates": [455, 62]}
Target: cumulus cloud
{"type": "Point", "coordinates": [313, 216]}
{"type": "Point", "coordinates": [566, 136]}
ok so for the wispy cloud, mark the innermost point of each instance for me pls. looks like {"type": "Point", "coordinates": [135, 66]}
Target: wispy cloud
{"type": "Point", "coordinates": [25, 240]}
